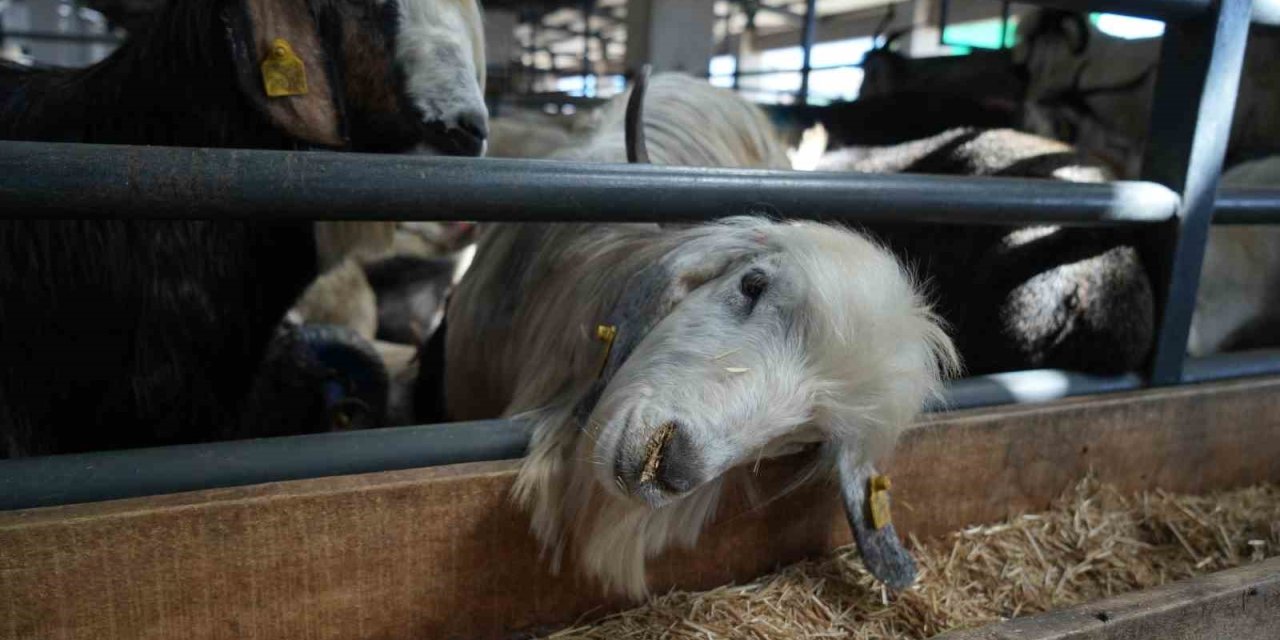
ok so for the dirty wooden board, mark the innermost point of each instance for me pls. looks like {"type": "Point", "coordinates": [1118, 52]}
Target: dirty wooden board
{"type": "Point", "coordinates": [437, 553]}
{"type": "Point", "coordinates": [1237, 604]}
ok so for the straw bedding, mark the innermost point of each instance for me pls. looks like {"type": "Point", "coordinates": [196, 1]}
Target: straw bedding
{"type": "Point", "coordinates": [1092, 544]}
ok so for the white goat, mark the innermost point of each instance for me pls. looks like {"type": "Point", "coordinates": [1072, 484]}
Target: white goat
{"type": "Point", "coordinates": [1238, 302]}
{"type": "Point", "coordinates": [651, 361]}
{"type": "Point", "coordinates": [733, 340]}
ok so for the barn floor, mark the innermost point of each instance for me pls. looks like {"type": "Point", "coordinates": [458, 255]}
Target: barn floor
{"type": "Point", "coordinates": [1094, 543]}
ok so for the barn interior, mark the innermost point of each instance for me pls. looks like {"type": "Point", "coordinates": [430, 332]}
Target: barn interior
{"type": "Point", "coordinates": [1060, 491]}
{"type": "Point", "coordinates": [561, 56]}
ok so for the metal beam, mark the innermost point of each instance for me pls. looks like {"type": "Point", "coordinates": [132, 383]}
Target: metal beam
{"type": "Point", "coordinates": [807, 37]}
{"type": "Point", "coordinates": [1247, 205]}
{"type": "Point", "coordinates": [587, 7]}
{"type": "Point", "coordinates": [1196, 85]}
{"type": "Point", "coordinates": [109, 475]}
{"type": "Point", "coordinates": [44, 180]}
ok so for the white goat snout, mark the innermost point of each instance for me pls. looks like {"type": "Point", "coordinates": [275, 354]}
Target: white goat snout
{"type": "Point", "coordinates": [709, 387]}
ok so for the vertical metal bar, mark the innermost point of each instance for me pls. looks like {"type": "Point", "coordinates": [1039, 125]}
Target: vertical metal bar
{"type": "Point", "coordinates": [749, 27]}
{"type": "Point", "coordinates": [944, 8]}
{"type": "Point", "coordinates": [587, 6]}
{"type": "Point", "coordinates": [1004, 25]}
{"type": "Point", "coordinates": [1199, 75]}
{"type": "Point", "coordinates": [806, 46]}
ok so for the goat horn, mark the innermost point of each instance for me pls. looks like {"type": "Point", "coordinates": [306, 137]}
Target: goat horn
{"type": "Point", "coordinates": [637, 152]}
{"type": "Point", "coordinates": [882, 552]}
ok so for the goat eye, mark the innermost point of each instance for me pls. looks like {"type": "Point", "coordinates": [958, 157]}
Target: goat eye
{"type": "Point", "coordinates": [753, 284]}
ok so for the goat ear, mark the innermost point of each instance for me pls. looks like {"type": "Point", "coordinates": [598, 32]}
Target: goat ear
{"type": "Point", "coordinates": [892, 39]}
{"type": "Point", "coordinates": [882, 551]}
{"type": "Point", "coordinates": [647, 297]}
{"type": "Point", "coordinates": [312, 114]}
{"type": "Point", "coordinates": [650, 295]}
{"type": "Point", "coordinates": [1075, 27]}
{"type": "Point", "coordinates": [637, 149]}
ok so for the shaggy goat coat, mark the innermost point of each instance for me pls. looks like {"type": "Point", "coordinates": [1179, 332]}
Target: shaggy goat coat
{"type": "Point", "coordinates": [821, 357]}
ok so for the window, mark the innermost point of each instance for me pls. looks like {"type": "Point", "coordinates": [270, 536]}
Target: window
{"type": "Point", "coordinates": [773, 76]}
{"type": "Point", "coordinates": [1127, 27]}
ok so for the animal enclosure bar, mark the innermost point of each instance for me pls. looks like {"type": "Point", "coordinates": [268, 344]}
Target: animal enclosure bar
{"type": "Point", "coordinates": [90, 477]}
{"type": "Point", "coordinates": [1198, 77]}
{"type": "Point", "coordinates": [1247, 206]}
{"type": "Point", "coordinates": [52, 180]}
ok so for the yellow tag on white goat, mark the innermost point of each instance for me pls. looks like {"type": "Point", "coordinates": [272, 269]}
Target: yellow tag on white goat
{"type": "Point", "coordinates": [283, 73]}
{"type": "Point", "coordinates": [879, 501]}
{"type": "Point", "coordinates": [605, 333]}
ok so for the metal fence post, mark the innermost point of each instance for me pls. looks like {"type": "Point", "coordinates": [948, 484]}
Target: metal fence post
{"type": "Point", "coordinates": [1198, 77]}
{"type": "Point", "coordinates": [588, 6]}
{"type": "Point", "coordinates": [807, 37]}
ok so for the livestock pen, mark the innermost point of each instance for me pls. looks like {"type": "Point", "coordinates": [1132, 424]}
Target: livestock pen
{"type": "Point", "coordinates": [406, 532]}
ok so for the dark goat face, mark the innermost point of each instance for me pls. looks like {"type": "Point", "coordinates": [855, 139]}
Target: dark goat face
{"type": "Point", "coordinates": [382, 75]}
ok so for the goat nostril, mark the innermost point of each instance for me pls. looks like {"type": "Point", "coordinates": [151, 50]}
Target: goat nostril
{"type": "Point", "coordinates": [474, 126]}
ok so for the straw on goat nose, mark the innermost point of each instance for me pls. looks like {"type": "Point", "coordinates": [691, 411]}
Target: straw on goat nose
{"type": "Point", "coordinates": [657, 444]}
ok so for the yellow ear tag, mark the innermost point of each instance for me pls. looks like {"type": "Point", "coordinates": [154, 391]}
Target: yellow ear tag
{"type": "Point", "coordinates": [283, 73]}
{"type": "Point", "coordinates": [605, 333]}
{"type": "Point", "coordinates": [879, 501]}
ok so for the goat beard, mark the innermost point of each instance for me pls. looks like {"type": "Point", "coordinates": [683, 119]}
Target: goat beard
{"type": "Point", "coordinates": [608, 537]}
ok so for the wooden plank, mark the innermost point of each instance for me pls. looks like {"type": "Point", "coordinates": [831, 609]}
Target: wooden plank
{"type": "Point", "coordinates": [1239, 604]}
{"type": "Point", "coordinates": [440, 552]}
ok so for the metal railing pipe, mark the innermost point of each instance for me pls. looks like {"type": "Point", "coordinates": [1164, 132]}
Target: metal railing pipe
{"type": "Point", "coordinates": [51, 180]}
{"type": "Point", "coordinates": [108, 475]}
{"type": "Point", "coordinates": [1197, 80]}
{"type": "Point", "coordinates": [1247, 205]}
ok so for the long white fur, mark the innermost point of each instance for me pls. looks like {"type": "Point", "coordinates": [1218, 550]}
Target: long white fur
{"type": "Point", "coordinates": [1240, 277]}
{"type": "Point", "coordinates": [853, 356]}
{"type": "Point", "coordinates": [440, 48]}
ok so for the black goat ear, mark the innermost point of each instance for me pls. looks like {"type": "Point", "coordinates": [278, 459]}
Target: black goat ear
{"type": "Point", "coordinates": [282, 67]}
{"type": "Point", "coordinates": [866, 503]}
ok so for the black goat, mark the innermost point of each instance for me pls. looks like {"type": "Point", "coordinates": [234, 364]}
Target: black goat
{"type": "Point", "coordinates": [130, 333]}
{"type": "Point", "coordinates": [1060, 297]}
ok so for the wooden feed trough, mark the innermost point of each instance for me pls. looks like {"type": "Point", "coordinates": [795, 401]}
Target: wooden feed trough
{"type": "Point", "coordinates": [440, 553]}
